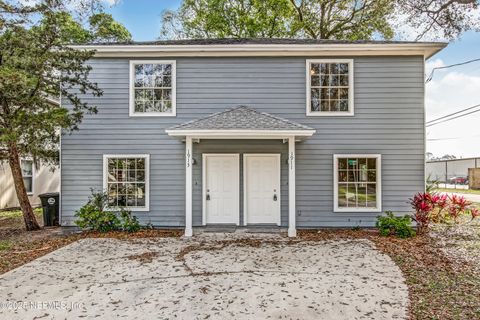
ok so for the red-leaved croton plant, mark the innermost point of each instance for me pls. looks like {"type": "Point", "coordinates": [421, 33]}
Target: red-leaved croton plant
{"type": "Point", "coordinates": [434, 207]}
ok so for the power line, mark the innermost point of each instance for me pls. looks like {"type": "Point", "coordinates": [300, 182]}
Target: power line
{"type": "Point", "coordinates": [462, 115]}
{"type": "Point", "coordinates": [453, 138]}
{"type": "Point", "coordinates": [454, 113]}
{"type": "Point", "coordinates": [449, 66]}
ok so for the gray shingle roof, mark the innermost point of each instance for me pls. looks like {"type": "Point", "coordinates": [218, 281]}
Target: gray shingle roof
{"type": "Point", "coordinates": [233, 41]}
{"type": "Point", "coordinates": [241, 118]}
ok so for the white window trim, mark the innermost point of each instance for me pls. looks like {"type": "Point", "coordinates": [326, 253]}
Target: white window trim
{"type": "Point", "coordinates": [147, 178]}
{"type": "Point", "coordinates": [379, 182]}
{"type": "Point", "coordinates": [31, 193]}
{"type": "Point", "coordinates": [131, 89]}
{"type": "Point", "coordinates": [350, 111]}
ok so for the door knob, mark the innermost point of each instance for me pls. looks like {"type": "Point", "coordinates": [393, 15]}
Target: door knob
{"type": "Point", "coordinates": [274, 197]}
{"type": "Point", "coordinates": [208, 196]}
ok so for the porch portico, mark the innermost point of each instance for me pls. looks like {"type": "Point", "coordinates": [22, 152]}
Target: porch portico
{"type": "Point", "coordinates": [240, 123]}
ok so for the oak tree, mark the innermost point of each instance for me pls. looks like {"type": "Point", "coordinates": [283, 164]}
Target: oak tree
{"type": "Point", "coordinates": [321, 19]}
{"type": "Point", "coordinates": [228, 19]}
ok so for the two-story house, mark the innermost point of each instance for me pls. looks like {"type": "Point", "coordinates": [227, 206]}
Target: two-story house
{"type": "Point", "coordinates": [289, 133]}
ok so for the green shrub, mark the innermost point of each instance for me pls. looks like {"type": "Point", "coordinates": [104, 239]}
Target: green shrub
{"type": "Point", "coordinates": [128, 222]}
{"type": "Point", "coordinates": [94, 216]}
{"type": "Point", "coordinates": [90, 217]}
{"type": "Point", "coordinates": [392, 225]}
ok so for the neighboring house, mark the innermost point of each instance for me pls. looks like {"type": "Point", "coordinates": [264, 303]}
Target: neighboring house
{"type": "Point", "coordinates": [294, 133]}
{"type": "Point", "coordinates": [39, 180]}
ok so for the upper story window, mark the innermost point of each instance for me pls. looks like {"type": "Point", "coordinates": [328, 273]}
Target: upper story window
{"type": "Point", "coordinates": [152, 88]}
{"type": "Point", "coordinates": [357, 182]}
{"type": "Point", "coordinates": [330, 87]}
{"type": "Point", "coordinates": [27, 174]}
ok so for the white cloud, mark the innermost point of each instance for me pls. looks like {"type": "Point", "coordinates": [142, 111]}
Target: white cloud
{"type": "Point", "coordinates": [448, 92]}
{"type": "Point", "coordinates": [451, 92]}
{"type": "Point", "coordinates": [430, 64]}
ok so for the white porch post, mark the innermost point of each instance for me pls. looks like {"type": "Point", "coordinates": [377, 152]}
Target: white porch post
{"type": "Point", "coordinates": [188, 187]}
{"type": "Point", "coordinates": [292, 231]}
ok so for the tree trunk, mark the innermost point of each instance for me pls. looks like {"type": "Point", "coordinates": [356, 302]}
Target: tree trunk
{"type": "Point", "coordinates": [28, 215]}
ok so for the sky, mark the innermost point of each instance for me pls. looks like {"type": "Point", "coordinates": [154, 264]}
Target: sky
{"type": "Point", "coordinates": [450, 90]}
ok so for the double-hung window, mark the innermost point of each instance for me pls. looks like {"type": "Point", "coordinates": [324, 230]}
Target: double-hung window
{"type": "Point", "coordinates": [357, 180]}
{"type": "Point", "coordinates": [152, 88]}
{"type": "Point", "coordinates": [330, 87]}
{"type": "Point", "coordinates": [126, 181]}
{"type": "Point", "coordinates": [27, 174]}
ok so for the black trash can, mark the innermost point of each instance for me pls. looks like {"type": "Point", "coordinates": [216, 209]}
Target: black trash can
{"type": "Point", "coordinates": [51, 209]}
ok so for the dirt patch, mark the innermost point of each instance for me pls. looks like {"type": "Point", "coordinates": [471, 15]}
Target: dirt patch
{"type": "Point", "coordinates": [143, 258]}
{"type": "Point", "coordinates": [13, 219]}
{"type": "Point", "coordinates": [21, 252]}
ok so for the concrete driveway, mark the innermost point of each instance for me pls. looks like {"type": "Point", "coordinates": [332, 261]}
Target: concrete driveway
{"type": "Point", "coordinates": [469, 196]}
{"type": "Point", "coordinates": [212, 276]}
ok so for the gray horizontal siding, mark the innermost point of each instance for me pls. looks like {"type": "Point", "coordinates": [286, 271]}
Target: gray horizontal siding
{"type": "Point", "coordinates": [389, 117]}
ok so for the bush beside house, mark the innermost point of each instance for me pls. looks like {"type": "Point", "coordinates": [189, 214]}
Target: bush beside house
{"type": "Point", "coordinates": [94, 216]}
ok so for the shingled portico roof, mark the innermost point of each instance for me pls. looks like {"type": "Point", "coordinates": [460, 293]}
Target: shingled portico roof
{"type": "Point", "coordinates": [240, 121]}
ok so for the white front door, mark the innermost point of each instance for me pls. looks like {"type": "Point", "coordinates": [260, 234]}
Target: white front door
{"type": "Point", "coordinates": [221, 185]}
{"type": "Point", "coordinates": [262, 188]}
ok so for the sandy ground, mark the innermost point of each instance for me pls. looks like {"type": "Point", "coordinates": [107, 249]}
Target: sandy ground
{"type": "Point", "coordinates": [207, 278]}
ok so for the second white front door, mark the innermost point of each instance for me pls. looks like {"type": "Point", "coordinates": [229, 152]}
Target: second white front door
{"type": "Point", "coordinates": [262, 188]}
{"type": "Point", "coordinates": [221, 191]}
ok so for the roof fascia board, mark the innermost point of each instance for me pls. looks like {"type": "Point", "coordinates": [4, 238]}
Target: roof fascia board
{"type": "Point", "coordinates": [240, 134]}
{"type": "Point", "coordinates": [424, 49]}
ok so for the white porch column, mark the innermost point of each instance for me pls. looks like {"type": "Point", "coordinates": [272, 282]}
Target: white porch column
{"type": "Point", "coordinates": [188, 187]}
{"type": "Point", "coordinates": [292, 231]}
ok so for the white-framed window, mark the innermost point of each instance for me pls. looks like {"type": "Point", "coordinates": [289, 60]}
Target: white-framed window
{"type": "Point", "coordinates": [329, 87]}
{"type": "Point", "coordinates": [152, 88]}
{"type": "Point", "coordinates": [357, 182]}
{"type": "Point", "coordinates": [27, 174]}
{"type": "Point", "coordinates": [126, 180]}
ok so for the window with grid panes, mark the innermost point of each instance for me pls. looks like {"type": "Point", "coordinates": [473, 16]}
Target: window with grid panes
{"type": "Point", "coordinates": [357, 182]}
{"type": "Point", "coordinates": [330, 88]}
{"type": "Point", "coordinates": [126, 181]}
{"type": "Point", "coordinates": [153, 88]}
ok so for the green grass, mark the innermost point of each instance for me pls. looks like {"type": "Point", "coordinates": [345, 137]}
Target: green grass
{"type": "Point", "coordinates": [5, 245]}
{"type": "Point", "coordinates": [17, 213]}
{"type": "Point", "coordinates": [470, 191]}
{"type": "Point", "coordinates": [342, 190]}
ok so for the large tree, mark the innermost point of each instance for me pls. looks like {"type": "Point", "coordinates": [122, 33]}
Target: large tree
{"type": "Point", "coordinates": [36, 64]}
{"type": "Point", "coordinates": [342, 19]}
{"type": "Point", "coordinates": [445, 19]}
{"type": "Point", "coordinates": [229, 19]}
{"type": "Point", "coordinates": [321, 19]}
